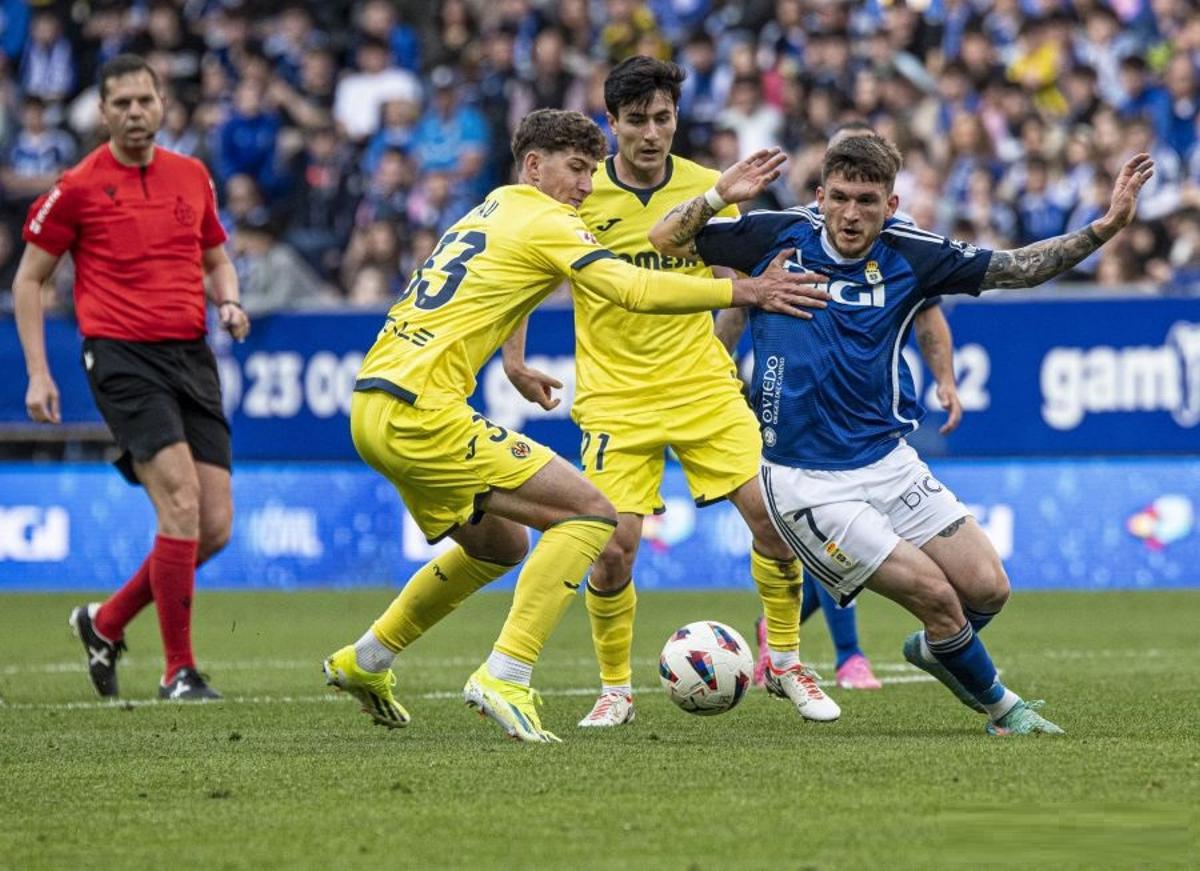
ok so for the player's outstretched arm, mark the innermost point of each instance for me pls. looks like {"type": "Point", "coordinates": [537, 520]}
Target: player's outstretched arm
{"type": "Point", "coordinates": [777, 289]}
{"type": "Point", "coordinates": [34, 270]}
{"type": "Point", "coordinates": [676, 232]}
{"type": "Point", "coordinates": [1041, 261]}
{"type": "Point", "coordinates": [534, 385]}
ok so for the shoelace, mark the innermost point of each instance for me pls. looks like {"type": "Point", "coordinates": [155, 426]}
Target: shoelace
{"type": "Point", "coordinates": [603, 704]}
{"type": "Point", "coordinates": [807, 677]}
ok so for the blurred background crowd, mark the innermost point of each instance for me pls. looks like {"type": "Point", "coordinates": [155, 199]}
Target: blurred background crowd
{"type": "Point", "coordinates": [344, 137]}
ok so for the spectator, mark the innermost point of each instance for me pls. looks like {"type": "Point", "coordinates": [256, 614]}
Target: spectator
{"type": "Point", "coordinates": [374, 247]}
{"type": "Point", "coordinates": [626, 22]}
{"type": "Point", "coordinates": [456, 27]}
{"type": "Point", "coordinates": [386, 196]}
{"type": "Point", "coordinates": [37, 156]}
{"type": "Point", "coordinates": [321, 214]}
{"type": "Point", "coordinates": [379, 20]}
{"type": "Point", "coordinates": [1039, 214]}
{"type": "Point", "coordinates": [397, 132]}
{"type": "Point", "coordinates": [48, 65]}
{"type": "Point", "coordinates": [498, 87]}
{"type": "Point", "coordinates": [243, 203]}
{"type": "Point", "coordinates": [293, 36]}
{"type": "Point", "coordinates": [177, 134]}
{"type": "Point", "coordinates": [273, 276]}
{"type": "Point", "coordinates": [436, 203]}
{"type": "Point", "coordinates": [359, 96]}
{"type": "Point", "coordinates": [452, 137]}
{"type": "Point", "coordinates": [703, 94]}
{"type": "Point", "coordinates": [248, 141]}
{"type": "Point", "coordinates": [758, 125]}
{"type": "Point", "coordinates": [1174, 119]}
{"type": "Point", "coordinates": [1143, 97]}
{"type": "Point", "coordinates": [548, 83]}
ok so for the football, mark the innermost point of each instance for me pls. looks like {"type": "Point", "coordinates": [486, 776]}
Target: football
{"type": "Point", "coordinates": [705, 667]}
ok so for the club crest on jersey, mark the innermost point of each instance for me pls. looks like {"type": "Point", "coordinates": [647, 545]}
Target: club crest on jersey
{"type": "Point", "coordinates": [521, 450]}
{"type": "Point", "coordinates": [588, 237]}
{"type": "Point", "coordinates": [872, 273]}
{"type": "Point", "coordinates": [838, 555]}
{"type": "Point", "coordinates": [184, 214]}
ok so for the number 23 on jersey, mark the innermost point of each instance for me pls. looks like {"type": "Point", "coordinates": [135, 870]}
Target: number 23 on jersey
{"type": "Point", "coordinates": [447, 262]}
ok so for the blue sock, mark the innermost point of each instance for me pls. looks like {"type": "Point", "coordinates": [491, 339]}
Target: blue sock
{"type": "Point", "coordinates": [978, 619]}
{"type": "Point", "coordinates": [843, 626]}
{"type": "Point", "coordinates": [965, 657]}
{"type": "Point", "coordinates": [811, 600]}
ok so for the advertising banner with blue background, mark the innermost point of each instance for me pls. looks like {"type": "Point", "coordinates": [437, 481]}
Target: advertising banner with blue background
{"type": "Point", "coordinates": [1036, 378]}
{"type": "Point", "coordinates": [1061, 524]}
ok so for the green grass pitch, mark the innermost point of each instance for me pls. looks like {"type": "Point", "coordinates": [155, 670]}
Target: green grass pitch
{"type": "Point", "coordinates": [286, 775]}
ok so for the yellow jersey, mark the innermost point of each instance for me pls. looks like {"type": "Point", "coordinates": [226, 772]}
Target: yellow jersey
{"type": "Point", "coordinates": [486, 275]}
{"type": "Point", "coordinates": [627, 359]}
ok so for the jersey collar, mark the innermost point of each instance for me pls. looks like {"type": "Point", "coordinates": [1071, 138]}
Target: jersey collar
{"type": "Point", "coordinates": [833, 253]}
{"type": "Point", "coordinates": [643, 194]}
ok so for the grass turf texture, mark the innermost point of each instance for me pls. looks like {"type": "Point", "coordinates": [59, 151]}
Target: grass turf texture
{"type": "Point", "coordinates": [280, 776]}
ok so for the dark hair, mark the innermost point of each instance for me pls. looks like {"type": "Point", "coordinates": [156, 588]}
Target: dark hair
{"type": "Point", "coordinates": [853, 124]}
{"type": "Point", "coordinates": [634, 82]}
{"type": "Point", "coordinates": [869, 158]}
{"type": "Point", "coordinates": [124, 65]}
{"type": "Point", "coordinates": [554, 130]}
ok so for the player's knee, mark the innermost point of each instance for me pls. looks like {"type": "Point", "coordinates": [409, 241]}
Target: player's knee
{"type": "Point", "coordinates": [615, 565]}
{"type": "Point", "coordinates": [593, 503]}
{"type": "Point", "coordinates": [180, 505]}
{"type": "Point", "coordinates": [938, 607]}
{"type": "Point", "coordinates": [508, 549]}
{"type": "Point", "coordinates": [215, 529]}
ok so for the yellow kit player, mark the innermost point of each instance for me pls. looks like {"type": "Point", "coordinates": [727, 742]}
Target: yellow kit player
{"type": "Point", "coordinates": [464, 477]}
{"type": "Point", "coordinates": [645, 383]}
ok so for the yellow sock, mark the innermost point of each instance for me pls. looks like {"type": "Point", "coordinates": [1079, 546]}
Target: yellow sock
{"type": "Point", "coordinates": [434, 590]}
{"type": "Point", "coordinates": [611, 615]}
{"type": "Point", "coordinates": [548, 582]}
{"type": "Point", "coordinates": [779, 584]}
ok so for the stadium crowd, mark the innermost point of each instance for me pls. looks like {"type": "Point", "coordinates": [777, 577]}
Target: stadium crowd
{"type": "Point", "coordinates": [344, 137]}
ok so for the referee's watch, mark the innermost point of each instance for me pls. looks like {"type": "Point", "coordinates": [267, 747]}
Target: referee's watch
{"type": "Point", "coordinates": [230, 302]}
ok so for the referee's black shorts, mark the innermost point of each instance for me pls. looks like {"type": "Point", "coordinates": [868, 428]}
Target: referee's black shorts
{"type": "Point", "coordinates": [154, 394]}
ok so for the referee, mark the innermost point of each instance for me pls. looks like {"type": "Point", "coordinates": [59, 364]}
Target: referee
{"type": "Point", "coordinates": [141, 225]}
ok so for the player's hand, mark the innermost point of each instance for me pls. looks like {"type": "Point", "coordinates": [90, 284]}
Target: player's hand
{"type": "Point", "coordinates": [41, 399]}
{"type": "Point", "coordinates": [235, 321]}
{"type": "Point", "coordinates": [947, 395]}
{"type": "Point", "coordinates": [748, 178]}
{"type": "Point", "coordinates": [780, 290]}
{"type": "Point", "coordinates": [1123, 205]}
{"type": "Point", "coordinates": [535, 386]}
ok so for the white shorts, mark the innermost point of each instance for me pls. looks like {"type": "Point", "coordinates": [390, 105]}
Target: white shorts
{"type": "Point", "coordinates": [843, 524]}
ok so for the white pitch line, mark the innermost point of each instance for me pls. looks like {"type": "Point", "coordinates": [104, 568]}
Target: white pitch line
{"type": "Point", "coordinates": [404, 664]}
{"type": "Point", "coordinates": [440, 695]}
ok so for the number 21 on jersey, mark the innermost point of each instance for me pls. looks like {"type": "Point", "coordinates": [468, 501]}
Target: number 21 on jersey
{"type": "Point", "coordinates": [450, 258]}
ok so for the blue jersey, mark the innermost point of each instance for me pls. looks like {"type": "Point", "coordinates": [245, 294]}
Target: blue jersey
{"type": "Point", "coordinates": [834, 392]}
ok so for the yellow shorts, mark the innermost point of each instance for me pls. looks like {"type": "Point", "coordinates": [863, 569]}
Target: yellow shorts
{"type": "Point", "coordinates": [717, 441]}
{"type": "Point", "coordinates": [442, 460]}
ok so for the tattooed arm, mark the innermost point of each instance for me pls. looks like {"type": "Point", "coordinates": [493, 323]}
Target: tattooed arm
{"type": "Point", "coordinates": [1041, 261]}
{"type": "Point", "coordinates": [675, 234]}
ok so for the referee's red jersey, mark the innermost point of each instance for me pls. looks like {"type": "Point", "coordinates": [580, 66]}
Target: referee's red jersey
{"type": "Point", "coordinates": [136, 235]}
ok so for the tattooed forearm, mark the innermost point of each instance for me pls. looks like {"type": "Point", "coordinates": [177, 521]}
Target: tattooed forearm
{"type": "Point", "coordinates": [683, 223]}
{"type": "Point", "coordinates": [1041, 261]}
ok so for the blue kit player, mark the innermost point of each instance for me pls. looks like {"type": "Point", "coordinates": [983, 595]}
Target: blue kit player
{"type": "Point", "coordinates": [835, 399]}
